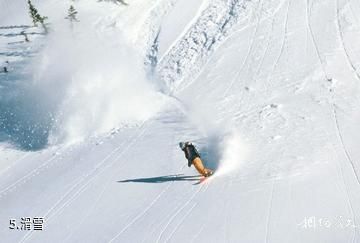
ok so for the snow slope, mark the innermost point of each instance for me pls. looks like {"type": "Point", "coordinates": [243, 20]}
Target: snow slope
{"type": "Point", "coordinates": [268, 90]}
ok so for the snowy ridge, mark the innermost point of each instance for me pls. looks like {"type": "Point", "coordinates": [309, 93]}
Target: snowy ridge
{"type": "Point", "coordinates": [190, 53]}
{"type": "Point", "coordinates": [151, 23]}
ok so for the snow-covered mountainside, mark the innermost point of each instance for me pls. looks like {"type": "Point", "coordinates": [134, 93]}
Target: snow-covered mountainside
{"type": "Point", "coordinates": [91, 115]}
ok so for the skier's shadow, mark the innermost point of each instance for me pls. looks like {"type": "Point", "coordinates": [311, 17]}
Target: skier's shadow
{"type": "Point", "coordinates": [162, 179]}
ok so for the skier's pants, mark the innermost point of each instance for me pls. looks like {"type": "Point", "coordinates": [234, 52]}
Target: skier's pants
{"type": "Point", "coordinates": [200, 167]}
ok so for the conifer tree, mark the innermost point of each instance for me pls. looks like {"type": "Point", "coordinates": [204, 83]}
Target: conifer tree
{"type": "Point", "coordinates": [116, 1]}
{"type": "Point", "coordinates": [41, 20]}
{"type": "Point", "coordinates": [72, 13]}
{"type": "Point", "coordinates": [33, 12]}
{"type": "Point", "coordinates": [123, 2]}
{"type": "Point", "coordinates": [36, 17]}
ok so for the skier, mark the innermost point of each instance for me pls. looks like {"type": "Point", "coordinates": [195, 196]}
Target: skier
{"type": "Point", "coordinates": [5, 69]}
{"type": "Point", "coordinates": [193, 157]}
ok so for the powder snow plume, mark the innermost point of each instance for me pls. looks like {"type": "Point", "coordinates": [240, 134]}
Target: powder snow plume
{"type": "Point", "coordinates": [97, 81]}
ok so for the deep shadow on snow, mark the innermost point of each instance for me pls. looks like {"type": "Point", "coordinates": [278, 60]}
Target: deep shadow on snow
{"type": "Point", "coordinates": [25, 118]}
{"type": "Point", "coordinates": [26, 107]}
{"type": "Point", "coordinates": [24, 124]}
{"type": "Point", "coordinates": [210, 152]}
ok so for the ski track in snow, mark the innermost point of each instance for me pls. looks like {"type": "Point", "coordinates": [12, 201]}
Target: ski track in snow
{"type": "Point", "coordinates": [141, 214]}
{"type": "Point", "coordinates": [176, 213]}
{"type": "Point", "coordinates": [338, 130]}
{"type": "Point", "coordinates": [334, 111]}
{"type": "Point", "coordinates": [341, 35]}
{"type": "Point", "coordinates": [268, 217]}
{"type": "Point", "coordinates": [252, 41]}
{"type": "Point", "coordinates": [84, 182]}
{"type": "Point", "coordinates": [346, 191]}
{"type": "Point", "coordinates": [14, 163]}
{"type": "Point", "coordinates": [308, 16]}
{"type": "Point", "coordinates": [343, 146]}
{"type": "Point", "coordinates": [354, 218]}
{"type": "Point", "coordinates": [137, 217]}
{"type": "Point", "coordinates": [105, 187]}
{"type": "Point", "coordinates": [266, 51]}
{"type": "Point", "coordinates": [181, 222]}
{"type": "Point", "coordinates": [283, 43]}
{"type": "Point", "coordinates": [29, 175]}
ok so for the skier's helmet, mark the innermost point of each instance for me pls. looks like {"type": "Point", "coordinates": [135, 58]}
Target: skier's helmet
{"type": "Point", "coordinates": [182, 145]}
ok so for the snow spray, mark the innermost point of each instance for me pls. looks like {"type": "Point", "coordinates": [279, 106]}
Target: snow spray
{"type": "Point", "coordinates": [233, 153]}
{"type": "Point", "coordinates": [97, 81]}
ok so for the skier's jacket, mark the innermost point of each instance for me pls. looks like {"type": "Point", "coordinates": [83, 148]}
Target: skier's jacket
{"type": "Point", "coordinates": [191, 153]}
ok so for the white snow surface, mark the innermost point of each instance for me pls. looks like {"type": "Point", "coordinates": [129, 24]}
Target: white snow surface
{"type": "Point", "coordinates": [91, 116]}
